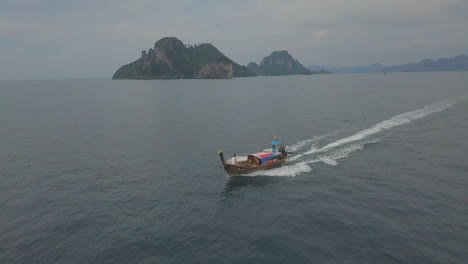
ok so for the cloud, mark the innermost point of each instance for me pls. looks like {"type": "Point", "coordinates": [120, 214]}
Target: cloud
{"type": "Point", "coordinates": [323, 33]}
{"type": "Point", "coordinates": [108, 33]}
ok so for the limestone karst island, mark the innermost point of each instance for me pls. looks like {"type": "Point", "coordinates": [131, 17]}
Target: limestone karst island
{"type": "Point", "coordinates": [279, 63]}
{"type": "Point", "coordinates": [170, 58]}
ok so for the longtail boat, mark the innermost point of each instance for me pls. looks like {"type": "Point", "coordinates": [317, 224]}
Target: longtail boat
{"type": "Point", "coordinates": [265, 160]}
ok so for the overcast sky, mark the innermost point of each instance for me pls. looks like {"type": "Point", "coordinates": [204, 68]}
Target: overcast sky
{"type": "Point", "coordinates": [55, 39]}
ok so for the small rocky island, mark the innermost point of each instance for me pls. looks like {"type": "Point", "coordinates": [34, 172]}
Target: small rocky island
{"type": "Point", "coordinates": [172, 59]}
{"type": "Point", "coordinates": [279, 63]}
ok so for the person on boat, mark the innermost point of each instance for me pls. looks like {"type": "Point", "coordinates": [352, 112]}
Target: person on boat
{"type": "Point", "coordinates": [234, 159]}
{"type": "Point", "coordinates": [253, 161]}
{"type": "Point", "coordinates": [273, 149]}
{"type": "Point", "coordinates": [257, 161]}
{"type": "Point", "coordinates": [282, 150]}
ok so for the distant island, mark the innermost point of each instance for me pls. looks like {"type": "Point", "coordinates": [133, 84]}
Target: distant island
{"type": "Point", "coordinates": [280, 63]}
{"type": "Point", "coordinates": [457, 63]}
{"type": "Point", "coordinates": [172, 59]}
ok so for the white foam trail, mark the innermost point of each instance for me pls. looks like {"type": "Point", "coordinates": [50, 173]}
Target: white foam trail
{"type": "Point", "coordinates": [397, 120]}
{"type": "Point", "coordinates": [299, 145]}
{"type": "Point", "coordinates": [328, 161]}
{"type": "Point", "coordinates": [293, 158]}
{"type": "Point", "coordinates": [284, 171]}
{"type": "Point", "coordinates": [330, 157]}
{"type": "Point", "coordinates": [344, 147]}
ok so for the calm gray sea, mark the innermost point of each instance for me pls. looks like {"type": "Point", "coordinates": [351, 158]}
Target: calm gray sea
{"type": "Point", "coordinates": [102, 171]}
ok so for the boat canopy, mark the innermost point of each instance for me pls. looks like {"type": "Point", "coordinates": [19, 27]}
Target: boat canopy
{"type": "Point", "coordinates": [264, 156]}
{"type": "Point", "coordinates": [276, 142]}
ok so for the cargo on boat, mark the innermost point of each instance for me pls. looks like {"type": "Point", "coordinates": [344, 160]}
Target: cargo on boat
{"type": "Point", "coordinates": [265, 160]}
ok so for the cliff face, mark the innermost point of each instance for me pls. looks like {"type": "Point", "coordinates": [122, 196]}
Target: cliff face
{"type": "Point", "coordinates": [279, 63]}
{"type": "Point", "coordinates": [216, 70]}
{"type": "Point", "coordinates": [172, 59]}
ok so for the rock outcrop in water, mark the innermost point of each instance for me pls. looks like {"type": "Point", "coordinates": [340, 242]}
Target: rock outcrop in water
{"type": "Point", "coordinates": [172, 59]}
{"type": "Point", "coordinates": [279, 63]}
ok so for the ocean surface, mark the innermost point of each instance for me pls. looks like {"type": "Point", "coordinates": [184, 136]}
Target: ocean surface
{"type": "Point", "coordinates": [103, 171]}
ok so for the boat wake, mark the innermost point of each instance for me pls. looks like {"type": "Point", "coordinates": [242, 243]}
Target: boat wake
{"type": "Point", "coordinates": [321, 149]}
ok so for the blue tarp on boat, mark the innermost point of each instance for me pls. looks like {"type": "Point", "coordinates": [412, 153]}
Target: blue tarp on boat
{"type": "Point", "coordinates": [264, 156]}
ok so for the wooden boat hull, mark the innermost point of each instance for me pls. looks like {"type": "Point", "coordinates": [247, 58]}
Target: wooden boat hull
{"type": "Point", "coordinates": [235, 170]}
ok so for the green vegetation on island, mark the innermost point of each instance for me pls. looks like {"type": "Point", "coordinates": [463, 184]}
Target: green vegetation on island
{"type": "Point", "coordinates": [172, 59]}
{"type": "Point", "coordinates": [280, 63]}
